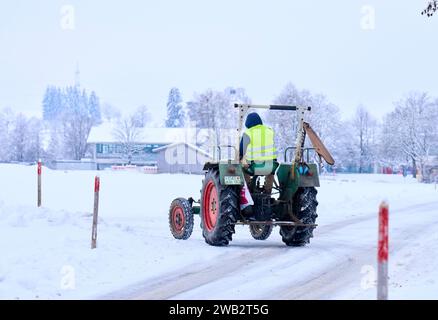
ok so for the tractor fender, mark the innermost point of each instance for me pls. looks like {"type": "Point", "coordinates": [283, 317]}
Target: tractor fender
{"type": "Point", "coordinates": [290, 179]}
{"type": "Point", "coordinates": [229, 173]}
{"type": "Point", "coordinates": [311, 179]}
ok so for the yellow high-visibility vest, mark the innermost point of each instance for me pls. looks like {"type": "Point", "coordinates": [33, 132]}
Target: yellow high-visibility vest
{"type": "Point", "coordinates": [261, 146]}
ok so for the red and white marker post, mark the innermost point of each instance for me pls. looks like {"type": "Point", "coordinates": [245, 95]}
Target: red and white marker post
{"type": "Point", "coordinates": [39, 170]}
{"type": "Point", "coordinates": [95, 212]}
{"type": "Point", "coordinates": [382, 254]}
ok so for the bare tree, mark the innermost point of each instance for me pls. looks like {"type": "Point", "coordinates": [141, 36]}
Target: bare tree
{"type": "Point", "coordinates": [109, 112]}
{"type": "Point", "coordinates": [284, 123]}
{"type": "Point", "coordinates": [56, 147]}
{"type": "Point", "coordinates": [415, 119]}
{"type": "Point", "coordinates": [18, 138]}
{"type": "Point", "coordinates": [214, 110]}
{"type": "Point", "coordinates": [33, 150]}
{"type": "Point", "coordinates": [324, 118]}
{"type": "Point", "coordinates": [77, 121]}
{"type": "Point", "coordinates": [364, 126]}
{"type": "Point", "coordinates": [141, 116]}
{"type": "Point", "coordinates": [6, 126]}
{"type": "Point", "coordinates": [431, 8]}
{"type": "Point", "coordinates": [389, 145]}
{"type": "Point", "coordinates": [127, 133]}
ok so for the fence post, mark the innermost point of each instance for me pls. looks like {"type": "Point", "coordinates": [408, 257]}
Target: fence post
{"type": "Point", "coordinates": [95, 212]}
{"type": "Point", "coordinates": [382, 254]}
{"type": "Point", "coordinates": [39, 167]}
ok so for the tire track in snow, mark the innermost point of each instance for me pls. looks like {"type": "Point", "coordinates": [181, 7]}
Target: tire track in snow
{"type": "Point", "coordinates": [319, 286]}
{"type": "Point", "coordinates": [322, 279]}
{"type": "Point", "coordinates": [181, 280]}
{"type": "Point", "coordinates": [323, 285]}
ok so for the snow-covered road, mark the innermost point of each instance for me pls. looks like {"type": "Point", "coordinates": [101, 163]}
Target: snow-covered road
{"type": "Point", "coordinates": [333, 267]}
{"type": "Point", "coordinates": [46, 251]}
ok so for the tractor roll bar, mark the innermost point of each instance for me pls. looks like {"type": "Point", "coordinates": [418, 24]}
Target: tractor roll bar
{"type": "Point", "coordinates": [270, 107]}
{"type": "Point", "coordinates": [307, 150]}
{"type": "Point", "coordinates": [225, 146]}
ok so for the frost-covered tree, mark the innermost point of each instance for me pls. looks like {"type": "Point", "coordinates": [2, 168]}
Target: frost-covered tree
{"type": "Point", "coordinates": [237, 95]}
{"type": "Point", "coordinates": [6, 127]}
{"type": "Point", "coordinates": [414, 128]}
{"type": "Point", "coordinates": [77, 121]}
{"type": "Point", "coordinates": [94, 108]}
{"type": "Point", "coordinates": [110, 113]}
{"type": "Point", "coordinates": [389, 148]}
{"type": "Point", "coordinates": [128, 134]}
{"type": "Point", "coordinates": [364, 128]}
{"type": "Point", "coordinates": [214, 110]}
{"type": "Point", "coordinates": [431, 8]}
{"type": "Point", "coordinates": [344, 148]}
{"type": "Point", "coordinates": [141, 117]}
{"type": "Point", "coordinates": [71, 113]}
{"type": "Point", "coordinates": [324, 118]}
{"type": "Point", "coordinates": [284, 123]}
{"type": "Point", "coordinates": [434, 134]}
{"type": "Point", "coordinates": [201, 109]}
{"type": "Point", "coordinates": [34, 150]}
{"type": "Point", "coordinates": [175, 112]}
{"type": "Point", "coordinates": [52, 103]}
{"type": "Point", "coordinates": [56, 147]}
{"type": "Point", "coordinates": [18, 137]}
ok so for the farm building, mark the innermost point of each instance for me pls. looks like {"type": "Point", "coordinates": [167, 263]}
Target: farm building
{"type": "Point", "coordinates": [181, 157]}
{"type": "Point", "coordinates": [160, 147]}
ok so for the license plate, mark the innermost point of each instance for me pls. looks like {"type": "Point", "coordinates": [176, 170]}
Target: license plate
{"type": "Point", "coordinates": [232, 180]}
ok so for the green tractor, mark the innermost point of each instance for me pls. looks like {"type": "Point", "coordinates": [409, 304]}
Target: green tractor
{"type": "Point", "coordinates": [291, 205]}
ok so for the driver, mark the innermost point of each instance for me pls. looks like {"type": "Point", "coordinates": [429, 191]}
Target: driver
{"type": "Point", "coordinates": [257, 146]}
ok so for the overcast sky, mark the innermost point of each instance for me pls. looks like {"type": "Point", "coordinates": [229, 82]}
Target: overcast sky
{"type": "Point", "coordinates": [132, 52]}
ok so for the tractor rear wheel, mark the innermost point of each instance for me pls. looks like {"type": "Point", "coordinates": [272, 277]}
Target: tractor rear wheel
{"type": "Point", "coordinates": [304, 208]}
{"type": "Point", "coordinates": [181, 219]}
{"type": "Point", "coordinates": [219, 209]}
{"type": "Point", "coordinates": [260, 231]}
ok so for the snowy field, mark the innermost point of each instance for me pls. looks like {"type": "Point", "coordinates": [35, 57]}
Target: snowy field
{"type": "Point", "coordinates": [45, 252]}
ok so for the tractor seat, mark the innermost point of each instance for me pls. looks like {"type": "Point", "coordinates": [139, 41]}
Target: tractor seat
{"type": "Point", "coordinates": [262, 168]}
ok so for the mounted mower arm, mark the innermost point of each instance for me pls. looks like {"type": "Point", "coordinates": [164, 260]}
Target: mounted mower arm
{"type": "Point", "coordinates": [320, 148]}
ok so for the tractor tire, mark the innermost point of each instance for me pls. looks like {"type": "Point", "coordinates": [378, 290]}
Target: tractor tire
{"type": "Point", "coordinates": [304, 208]}
{"type": "Point", "coordinates": [219, 209]}
{"type": "Point", "coordinates": [260, 231]}
{"type": "Point", "coordinates": [181, 219]}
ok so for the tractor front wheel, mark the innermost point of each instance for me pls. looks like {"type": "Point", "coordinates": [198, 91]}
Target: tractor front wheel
{"type": "Point", "coordinates": [260, 231]}
{"type": "Point", "coordinates": [219, 209]}
{"type": "Point", "coordinates": [181, 219]}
